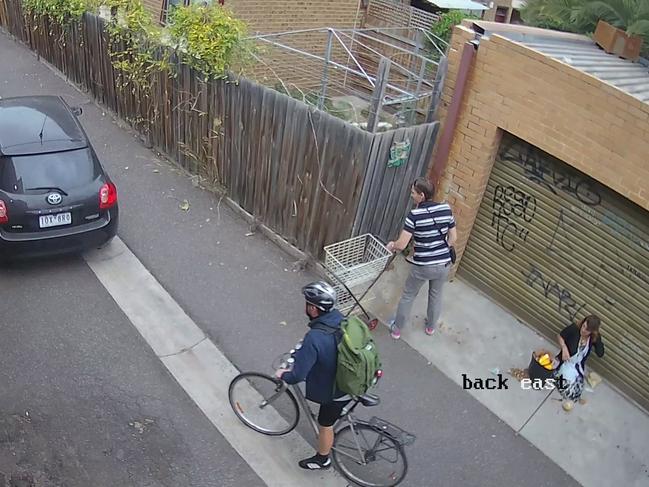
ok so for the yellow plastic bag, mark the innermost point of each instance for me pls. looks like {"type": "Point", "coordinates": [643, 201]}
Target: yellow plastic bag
{"type": "Point", "coordinates": [543, 358]}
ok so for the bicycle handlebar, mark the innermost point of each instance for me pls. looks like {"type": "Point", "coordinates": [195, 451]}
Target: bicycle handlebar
{"type": "Point", "coordinates": [286, 360]}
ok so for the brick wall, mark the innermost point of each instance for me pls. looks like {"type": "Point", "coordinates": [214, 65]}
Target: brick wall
{"type": "Point", "coordinates": [271, 16]}
{"type": "Point", "coordinates": [588, 124]}
{"type": "Point", "coordinates": [266, 16]}
{"type": "Point", "coordinates": [298, 70]}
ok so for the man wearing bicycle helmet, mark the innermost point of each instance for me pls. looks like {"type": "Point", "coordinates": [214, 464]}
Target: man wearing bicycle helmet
{"type": "Point", "coordinates": [315, 362]}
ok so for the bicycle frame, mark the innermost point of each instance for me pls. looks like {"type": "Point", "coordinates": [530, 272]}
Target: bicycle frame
{"type": "Point", "coordinates": [363, 442]}
{"type": "Point", "coordinates": [304, 405]}
{"type": "Point", "coordinates": [346, 417]}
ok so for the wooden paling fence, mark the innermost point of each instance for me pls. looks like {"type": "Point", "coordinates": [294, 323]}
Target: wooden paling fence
{"type": "Point", "coordinates": [385, 201]}
{"type": "Point", "coordinates": [309, 176]}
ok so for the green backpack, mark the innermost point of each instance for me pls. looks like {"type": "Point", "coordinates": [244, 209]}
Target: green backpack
{"type": "Point", "coordinates": [358, 357]}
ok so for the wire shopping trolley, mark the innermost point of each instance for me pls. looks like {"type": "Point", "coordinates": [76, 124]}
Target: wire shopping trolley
{"type": "Point", "coordinates": [354, 266]}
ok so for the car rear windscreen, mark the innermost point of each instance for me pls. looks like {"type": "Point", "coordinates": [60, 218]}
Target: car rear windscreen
{"type": "Point", "coordinates": [63, 170]}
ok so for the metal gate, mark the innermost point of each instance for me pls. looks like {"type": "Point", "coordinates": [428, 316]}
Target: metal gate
{"type": "Point", "coordinates": [553, 245]}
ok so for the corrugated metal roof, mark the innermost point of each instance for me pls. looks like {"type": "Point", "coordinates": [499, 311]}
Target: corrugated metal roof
{"type": "Point", "coordinates": [582, 53]}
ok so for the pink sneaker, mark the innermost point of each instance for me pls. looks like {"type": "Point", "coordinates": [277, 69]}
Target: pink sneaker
{"type": "Point", "coordinates": [429, 330]}
{"type": "Point", "coordinates": [395, 332]}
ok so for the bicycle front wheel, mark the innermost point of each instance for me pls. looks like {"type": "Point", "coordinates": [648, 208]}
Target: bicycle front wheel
{"type": "Point", "coordinates": [368, 457]}
{"type": "Point", "coordinates": [263, 403]}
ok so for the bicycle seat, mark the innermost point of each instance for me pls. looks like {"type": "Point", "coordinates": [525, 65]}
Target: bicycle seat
{"type": "Point", "coordinates": [369, 400]}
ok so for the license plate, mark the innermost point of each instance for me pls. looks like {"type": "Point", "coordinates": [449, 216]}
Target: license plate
{"type": "Point", "coordinates": [46, 221]}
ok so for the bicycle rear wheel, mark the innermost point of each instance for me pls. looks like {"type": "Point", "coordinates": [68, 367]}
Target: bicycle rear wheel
{"type": "Point", "coordinates": [263, 403]}
{"type": "Point", "coordinates": [368, 457]}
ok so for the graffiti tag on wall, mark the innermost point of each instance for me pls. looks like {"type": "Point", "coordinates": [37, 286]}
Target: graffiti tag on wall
{"type": "Point", "coordinates": [543, 172]}
{"type": "Point", "coordinates": [553, 290]}
{"type": "Point", "coordinates": [511, 210]}
{"type": "Point", "coordinates": [591, 272]}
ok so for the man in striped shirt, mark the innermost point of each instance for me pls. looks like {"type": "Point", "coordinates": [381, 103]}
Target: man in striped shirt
{"type": "Point", "coordinates": [432, 227]}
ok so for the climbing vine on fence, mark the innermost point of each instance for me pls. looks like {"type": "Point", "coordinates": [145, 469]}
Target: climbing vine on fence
{"type": "Point", "coordinates": [210, 37]}
{"type": "Point", "coordinates": [207, 38]}
{"type": "Point", "coordinates": [136, 55]}
{"type": "Point", "coordinates": [60, 11]}
{"type": "Point", "coordinates": [135, 44]}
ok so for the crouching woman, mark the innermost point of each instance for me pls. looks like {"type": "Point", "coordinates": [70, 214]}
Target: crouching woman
{"type": "Point", "coordinates": [576, 342]}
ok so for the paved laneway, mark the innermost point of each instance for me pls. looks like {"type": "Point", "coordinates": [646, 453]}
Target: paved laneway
{"type": "Point", "coordinates": [244, 294]}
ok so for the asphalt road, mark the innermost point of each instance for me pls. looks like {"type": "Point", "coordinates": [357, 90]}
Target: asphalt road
{"type": "Point", "coordinates": [85, 402]}
{"type": "Point", "coordinates": [73, 360]}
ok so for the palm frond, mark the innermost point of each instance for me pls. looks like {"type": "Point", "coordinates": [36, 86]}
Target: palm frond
{"type": "Point", "coordinates": [639, 28]}
{"type": "Point", "coordinates": [643, 10]}
{"type": "Point", "coordinates": [607, 10]}
{"type": "Point", "coordinates": [564, 11]}
{"type": "Point", "coordinates": [535, 12]}
{"type": "Point", "coordinates": [583, 15]}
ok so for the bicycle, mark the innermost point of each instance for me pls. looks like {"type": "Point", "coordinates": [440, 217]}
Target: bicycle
{"type": "Point", "coordinates": [367, 453]}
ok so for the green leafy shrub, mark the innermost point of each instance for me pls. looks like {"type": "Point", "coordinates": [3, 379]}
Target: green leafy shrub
{"type": "Point", "coordinates": [211, 36]}
{"type": "Point", "coordinates": [60, 11]}
{"type": "Point", "coordinates": [134, 43]}
{"type": "Point", "coordinates": [444, 27]}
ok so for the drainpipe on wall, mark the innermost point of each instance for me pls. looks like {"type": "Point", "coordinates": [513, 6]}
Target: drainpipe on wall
{"type": "Point", "coordinates": [444, 148]}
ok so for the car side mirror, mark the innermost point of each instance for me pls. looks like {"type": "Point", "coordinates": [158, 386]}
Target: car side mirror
{"type": "Point", "coordinates": [77, 111]}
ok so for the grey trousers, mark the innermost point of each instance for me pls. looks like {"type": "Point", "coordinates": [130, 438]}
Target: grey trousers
{"type": "Point", "coordinates": [436, 275]}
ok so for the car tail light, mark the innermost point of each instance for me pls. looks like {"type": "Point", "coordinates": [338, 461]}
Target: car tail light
{"type": "Point", "coordinates": [107, 196]}
{"type": "Point", "coordinates": [4, 216]}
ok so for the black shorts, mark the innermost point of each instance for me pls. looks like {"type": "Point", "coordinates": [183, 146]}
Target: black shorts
{"type": "Point", "coordinates": [330, 412]}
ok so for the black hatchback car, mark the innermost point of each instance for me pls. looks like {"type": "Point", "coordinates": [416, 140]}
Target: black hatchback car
{"type": "Point", "coordinates": [55, 197]}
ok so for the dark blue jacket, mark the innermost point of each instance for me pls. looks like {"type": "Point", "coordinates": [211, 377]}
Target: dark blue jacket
{"type": "Point", "coordinates": [316, 360]}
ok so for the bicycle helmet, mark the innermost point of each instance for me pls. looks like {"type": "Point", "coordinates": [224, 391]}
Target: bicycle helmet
{"type": "Point", "coordinates": [321, 295]}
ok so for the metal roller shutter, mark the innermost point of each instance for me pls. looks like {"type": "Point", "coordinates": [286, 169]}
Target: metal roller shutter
{"type": "Point", "coordinates": [553, 245]}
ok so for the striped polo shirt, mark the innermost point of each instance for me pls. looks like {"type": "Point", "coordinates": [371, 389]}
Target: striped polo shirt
{"type": "Point", "coordinates": [429, 224]}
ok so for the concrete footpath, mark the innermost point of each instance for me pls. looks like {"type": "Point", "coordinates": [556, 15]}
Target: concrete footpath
{"type": "Point", "coordinates": [600, 444]}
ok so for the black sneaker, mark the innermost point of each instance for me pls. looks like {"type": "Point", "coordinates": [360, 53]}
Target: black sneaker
{"type": "Point", "coordinates": [316, 462]}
